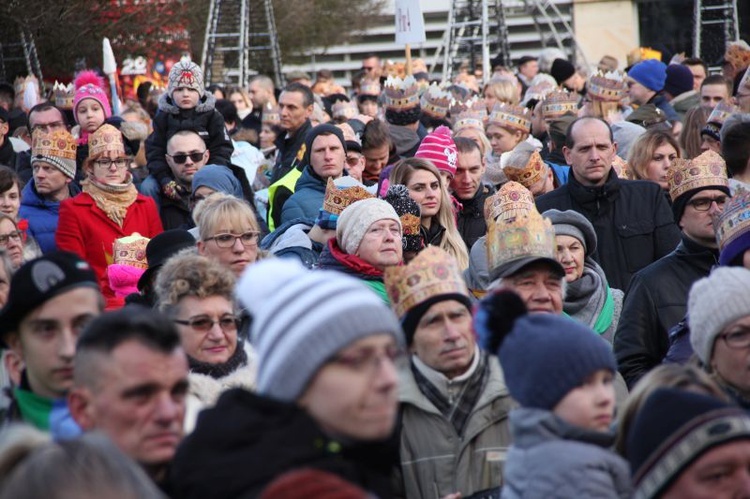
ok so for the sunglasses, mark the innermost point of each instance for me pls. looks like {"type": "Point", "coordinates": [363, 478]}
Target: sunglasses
{"type": "Point", "coordinates": [204, 324]}
{"type": "Point", "coordinates": [180, 158]}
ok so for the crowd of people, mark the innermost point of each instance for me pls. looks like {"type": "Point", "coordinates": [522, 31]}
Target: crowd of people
{"type": "Point", "coordinates": [538, 287]}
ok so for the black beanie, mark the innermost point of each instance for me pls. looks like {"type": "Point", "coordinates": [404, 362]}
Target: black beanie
{"type": "Point", "coordinates": [679, 204]}
{"type": "Point", "coordinates": [562, 70]}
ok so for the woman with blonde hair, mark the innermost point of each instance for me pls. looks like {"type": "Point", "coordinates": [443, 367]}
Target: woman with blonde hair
{"type": "Point", "coordinates": [651, 156]}
{"type": "Point", "coordinates": [438, 224]}
{"type": "Point", "coordinates": [227, 231]}
{"type": "Point", "coordinates": [502, 88]}
{"type": "Point", "coordinates": [241, 101]}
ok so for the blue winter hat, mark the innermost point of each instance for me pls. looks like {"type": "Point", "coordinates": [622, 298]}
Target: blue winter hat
{"type": "Point", "coordinates": [219, 178]}
{"type": "Point", "coordinates": [650, 73]}
{"type": "Point", "coordinates": [544, 356]}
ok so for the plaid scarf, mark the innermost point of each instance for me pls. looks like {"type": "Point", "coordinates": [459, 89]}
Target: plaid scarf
{"type": "Point", "coordinates": [458, 412]}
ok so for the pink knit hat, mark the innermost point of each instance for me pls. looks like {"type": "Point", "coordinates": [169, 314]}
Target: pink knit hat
{"type": "Point", "coordinates": [439, 148]}
{"type": "Point", "coordinates": [90, 85]}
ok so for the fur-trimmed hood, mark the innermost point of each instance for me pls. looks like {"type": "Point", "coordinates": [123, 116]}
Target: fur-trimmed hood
{"type": "Point", "coordinates": [205, 103]}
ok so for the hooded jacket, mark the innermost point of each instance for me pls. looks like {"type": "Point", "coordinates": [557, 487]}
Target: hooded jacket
{"type": "Point", "coordinates": [240, 445]}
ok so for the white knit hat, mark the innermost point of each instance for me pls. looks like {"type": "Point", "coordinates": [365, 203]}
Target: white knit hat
{"type": "Point", "coordinates": [715, 302]}
{"type": "Point", "coordinates": [357, 218]}
{"type": "Point", "coordinates": [302, 318]}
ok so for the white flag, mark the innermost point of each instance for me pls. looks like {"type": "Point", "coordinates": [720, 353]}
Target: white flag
{"type": "Point", "coordinates": [409, 22]}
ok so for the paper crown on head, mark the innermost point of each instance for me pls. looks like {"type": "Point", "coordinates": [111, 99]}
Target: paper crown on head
{"type": "Point", "coordinates": [559, 103]}
{"type": "Point", "coordinates": [369, 87]}
{"type": "Point", "coordinates": [738, 54]}
{"type": "Point", "coordinates": [512, 238]}
{"type": "Point", "coordinates": [344, 110]}
{"type": "Point", "coordinates": [512, 200]}
{"type": "Point", "coordinates": [621, 167]}
{"type": "Point", "coordinates": [337, 198]}
{"type": "Point", "coordinates": [706, 170]}
{"type": "Point", "coordinates": [409, 213]}
{"type": "Point", "coordinates": [721, 112]}
{"type": "Point", "coordinates": [608, 87]}
{"type": "Point", "coordinates": [435, 102]}
{"type": "Point", "coordinates": [539, 91]}
{"type": "Point", "coordinates": [511, 116]}
{"type": "Point", "coordinates": [530, 173]}
{"type": "Point", "coordinates": [64, 95]}
{"type": "Point", "coordinates": [271, 114]}
{"type": "Point", "coordinates": [732, 225]}
{"type": "Point", "coordinates": [401, 94]}
{"type": "Point", "coordinates": [131, 250]}
{"type": "Point", "coordinates": [433, 272]}
{"type": "Point", "coordinates": [473, 116]}
{"type": "Point", "coordinates": [57, 144]}
{"type": "Point", "coordinates": [105, 138]}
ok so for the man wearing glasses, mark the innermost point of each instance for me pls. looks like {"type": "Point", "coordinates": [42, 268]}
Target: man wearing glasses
{"type": "Point", "coordinates": [186, 154]}
{"type": "Point", "coordinates": [44, 117]}
{"type": "Point", "coordinates": [372, 67]}
{"type": "Point", "coordinates": [657, 298]}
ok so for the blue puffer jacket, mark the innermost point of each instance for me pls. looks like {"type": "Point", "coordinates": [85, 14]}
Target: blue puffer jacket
{"type": "Point", "coordinates": [42, 215]}
{"type": "Point", "coordinates": [307, 198]}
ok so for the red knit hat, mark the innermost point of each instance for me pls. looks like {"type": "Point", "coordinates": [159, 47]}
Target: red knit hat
{"type": "Point", "coordinates": [439, 148]}
{"type": "Point", "coordinates": [307, 482]}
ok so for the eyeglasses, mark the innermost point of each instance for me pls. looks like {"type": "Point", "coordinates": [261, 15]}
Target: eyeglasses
{"type": "Point", "coordinates": [180, 158]}
{"type": "Point", "coordinates": [49, 127]}
{"type": "Point", "coordinates": [368, 361]}
{"type": "Point", "coordinates": [203, 324]}
{"type": "Point", "coordinates": [737, 339]}
{"type": "Point", "coordinates": [106, 163]}
{"type": "Point", "coordinates": [248, 239]}
{"type": "Point", "coordinates": [704, 204]}
{"type": "Point", "coordinates": [15, 236]}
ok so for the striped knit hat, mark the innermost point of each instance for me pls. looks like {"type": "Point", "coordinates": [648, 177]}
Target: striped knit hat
{"type": "Point", "coordinates": [302, 318]}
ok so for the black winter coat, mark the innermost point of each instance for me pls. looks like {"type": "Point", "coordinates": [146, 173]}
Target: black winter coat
{"type": "Point", "coordinates": [243, 443]}
{"type": "Point", "coordinates": [470, 220]}
{"type": "Point", "coordinates": [655, 302]}
{"type": "Point", "coordinates": [634, 224]}
{"type": "Point", "coordinates": [289, 148]}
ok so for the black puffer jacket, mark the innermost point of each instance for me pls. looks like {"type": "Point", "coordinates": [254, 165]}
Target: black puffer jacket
{"type": "Point", "coordinates": [470, 220]}
{"type": "Point", "coordinates": [633, 223]}
{"type": "Point", "coordinates": [243, 443]}
{"type": "Point", "coordinates": [204, 119]}
{"type": "Point", "coordinates": [655, 302]}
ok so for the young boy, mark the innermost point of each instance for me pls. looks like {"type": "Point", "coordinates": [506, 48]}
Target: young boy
{"type": "Point", "coordinates": [185, 106]}
{"type": "Point", "coordinates": [560, 372]}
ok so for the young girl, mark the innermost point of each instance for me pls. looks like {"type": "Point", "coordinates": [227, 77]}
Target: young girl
{"type": "Point", "coordinates": [427, 188]}
{"type": "Point", "coordinates": [561, 373]}
{"type": "Point", "coordinates": [90, 109]}
{"type": "Point", "coordinates": [508, 126]}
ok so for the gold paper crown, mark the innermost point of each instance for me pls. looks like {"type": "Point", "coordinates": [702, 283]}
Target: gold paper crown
{"type": "Point", "coordinates": [105, 138]}
{"type": "Point", "coordinates": [369, 87]}
{"type": "Point", "coordinates": [559, 103]}
{"type": "Point", "coordinates": [271, 114]}
{"type": "Point", "coordinates": [609, 86]}
{"type": "Point", "coordinates": [401, 94]}
{"type": "Point", "coordinates": [721, 112]}
{"type": "Point", "coordinates": [433, 272]}
{"type": "Point", "coordinates": [512, 200]}
{"type": "Point", "coordinates": [410, 224]}
{"type": "Point", "coordinates": [131, 250]}
{"type": "Point", "coordinates": [518, 237]}
{"type": "Point", "coordinates": [336, 198]}
{"type": "Point", "coordinates": [391, 68]}
{"type": "Point", "coordinates": [531, 173]}
{"type": "Point", "coordinates": [511, 116]}
{"type": "Point", "coordinates": [621, 167]}
{"type": "Point", "coordinates": [473, 116]}
{"type": "Point", "coordinates": [734, 220]}
{"type": "Point", "coordinates": [738, 55]}
{"type": "Point", "coordinates": [435, 102]}
{"type": "Point", "coordinates": [64, 95]}
{"type": "Point", "coordinates": [57, 144]}
{"type": "Point", "coordinates": [708, 169]}
{"type": "Point", "coordinates": [344, 109]}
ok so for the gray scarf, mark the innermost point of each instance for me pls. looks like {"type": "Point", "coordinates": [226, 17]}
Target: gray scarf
{"type": "Point", "coordinates": [586, 296]}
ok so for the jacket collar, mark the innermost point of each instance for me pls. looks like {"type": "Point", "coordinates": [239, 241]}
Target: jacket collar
{"type": "Point", "coordinates": [609, 191]}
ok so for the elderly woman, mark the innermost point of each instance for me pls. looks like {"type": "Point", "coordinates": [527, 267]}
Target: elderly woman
{"type": "Point", "coordinates": [197, 294]}
{"type": "Point", "coordinates": [651, 156]}
{"type": "Point", "coordinates": [588, 298]}
{"type": "Point", "coordinates": [10, 205]}
{"type": "Point", "coordinates": [719, 316]}
{"type": "Point", "coordinates": [6, 272]}
{"type": "Point", "coordinates": [11, 241]}
{"type": "Point", "coordinates": [228, 231]}
{"type": "Point", "coordinates": [327, 394]}
{"type": "Point", "coordinates": [109, 208]}
{"type": "Point", "coordinates": [368, 239]}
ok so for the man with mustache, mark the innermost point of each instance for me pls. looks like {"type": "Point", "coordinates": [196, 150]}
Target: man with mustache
{"type": "Point", "coordinates": [51, 299]}
{"type": "Point", "coordinates": [454, 402]}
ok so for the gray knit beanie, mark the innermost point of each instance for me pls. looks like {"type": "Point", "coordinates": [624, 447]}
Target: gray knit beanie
{"type": "Point", "coordinates": [185, 74]}
{"type": "Point", "coordinates": [715, 302]}
{"type": "Point", "coordinates": [357, 218]}
{"type": "Point", "coordinates": [302, 318]}
{"type": "Point", "coordinates": [573, 224]}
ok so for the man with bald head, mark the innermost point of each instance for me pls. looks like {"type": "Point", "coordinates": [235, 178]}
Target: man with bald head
{"type": "Point", "coordinates": [633, 222]}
